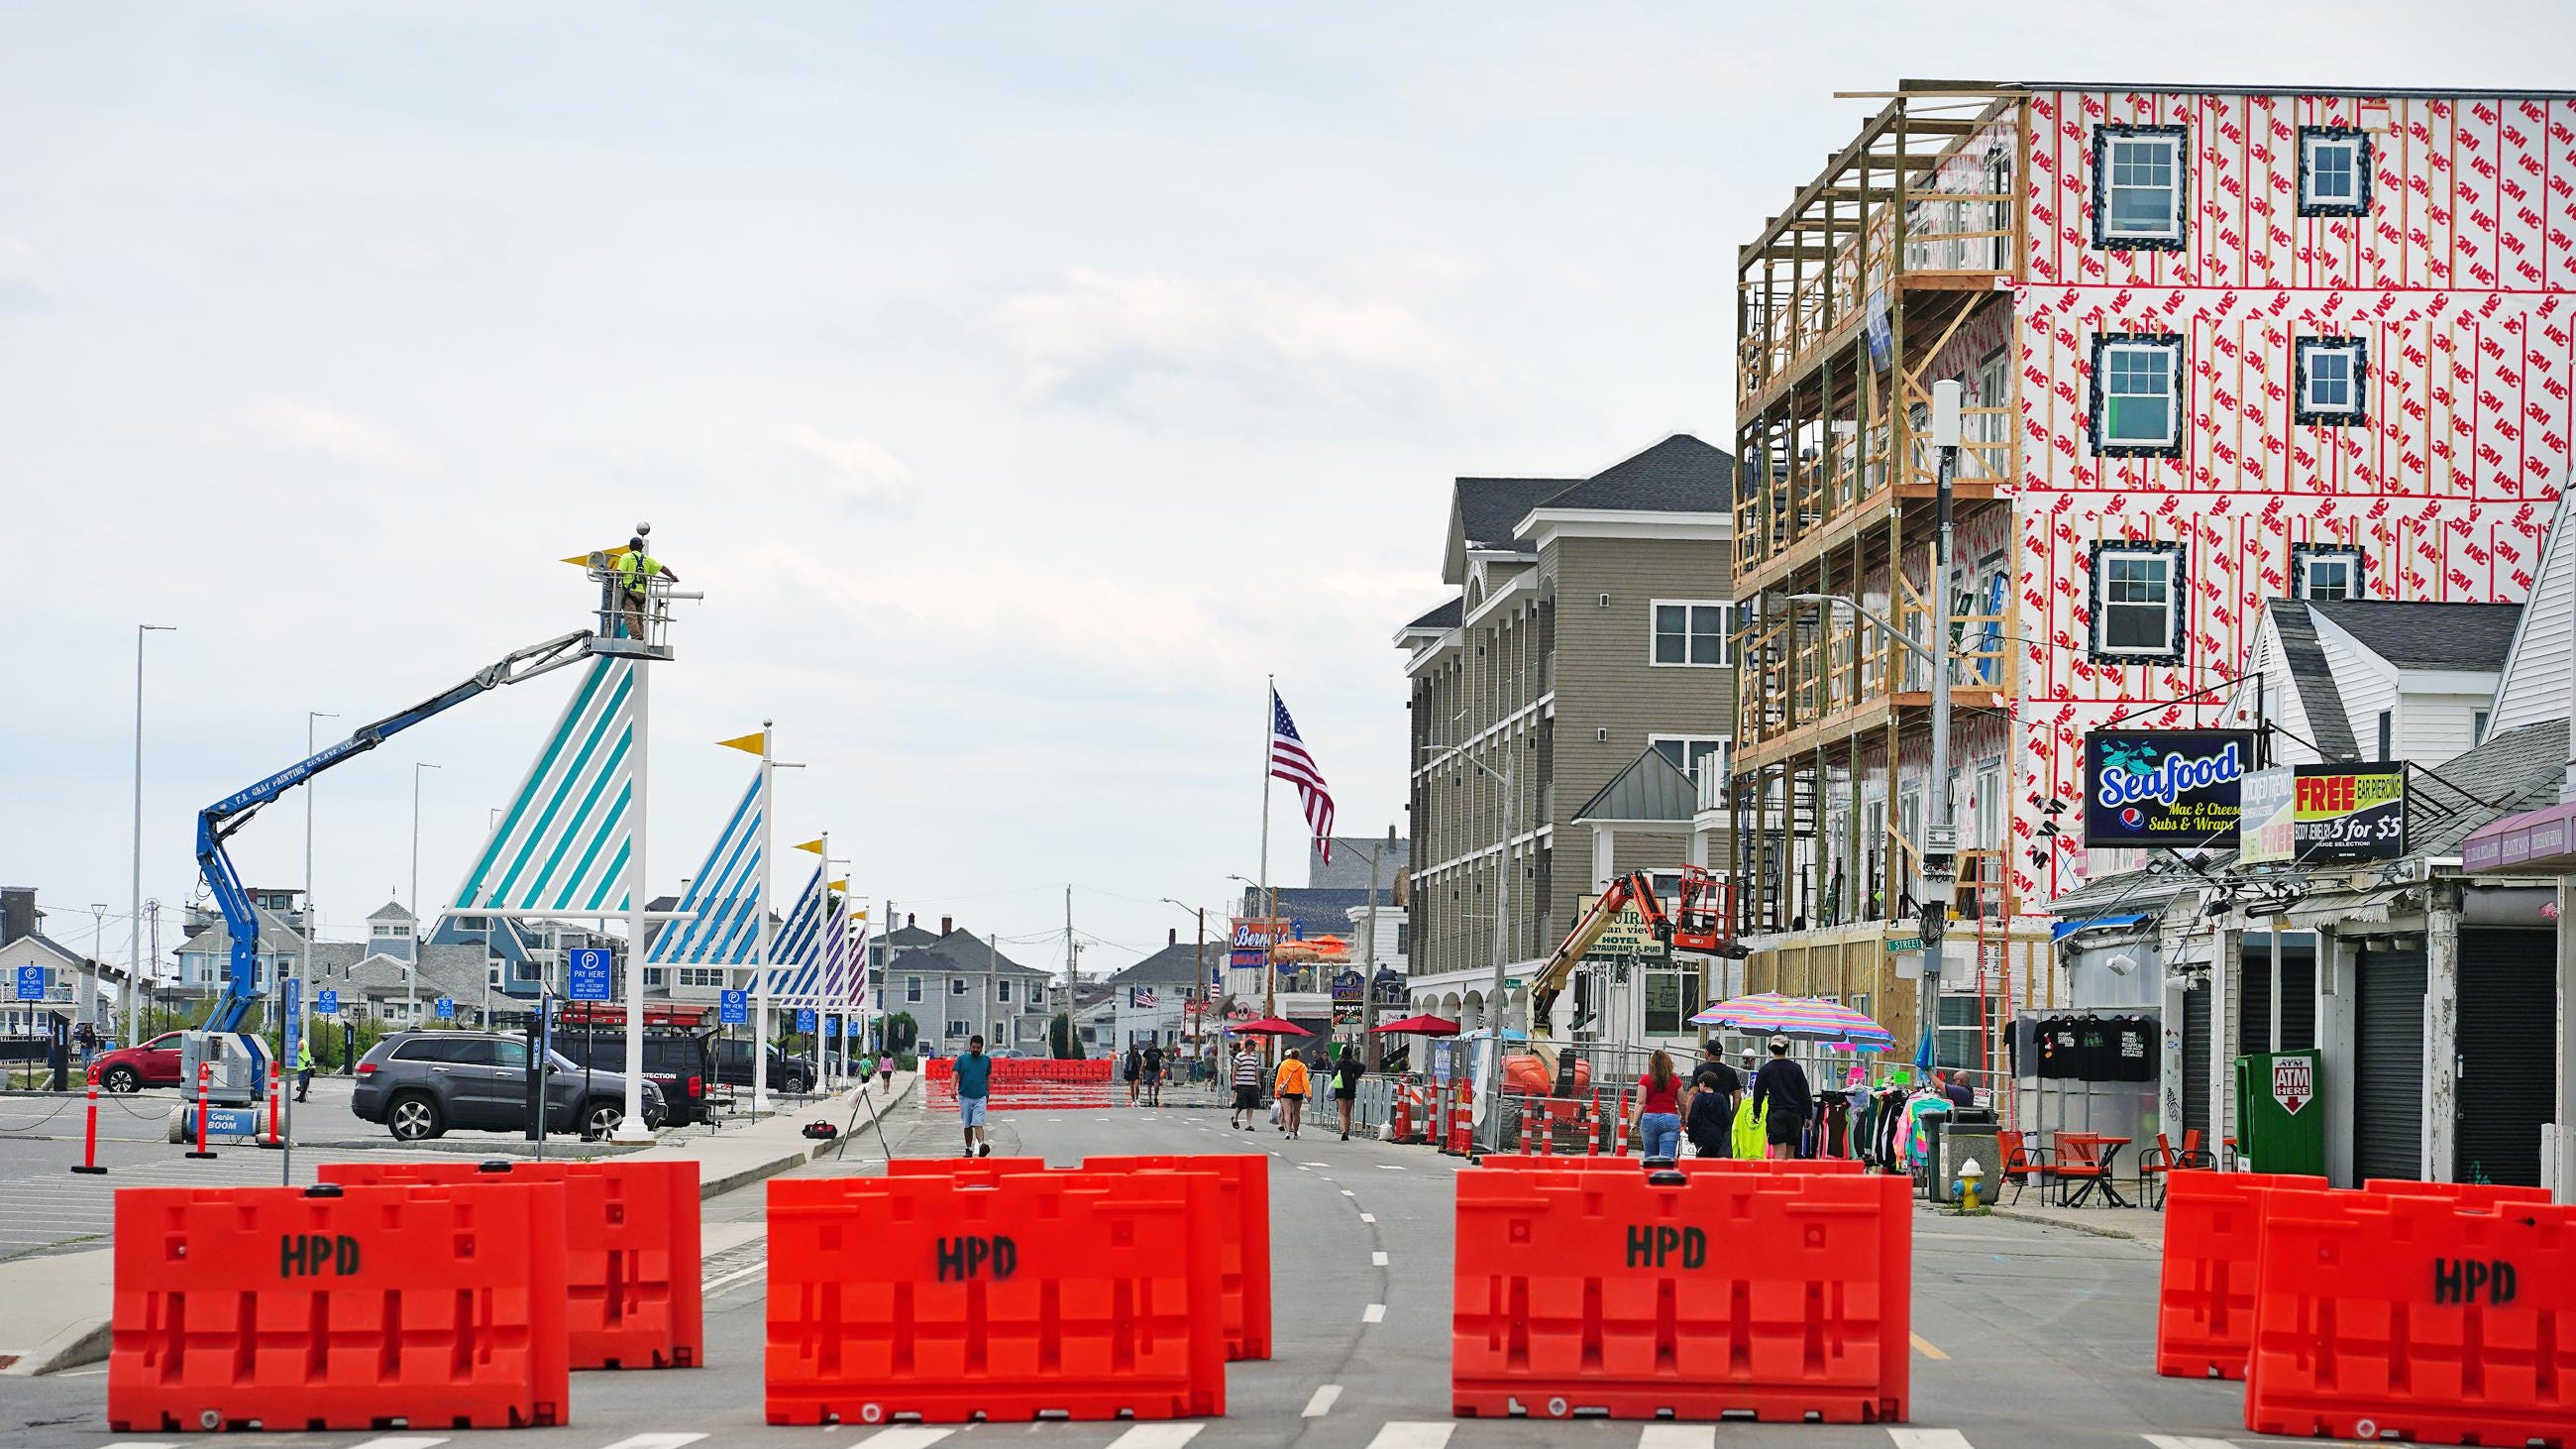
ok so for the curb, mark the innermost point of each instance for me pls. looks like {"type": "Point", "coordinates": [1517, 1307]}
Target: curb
{"type": "Point", "coordinates": [803, 1151]}
{"type": "Point", "coordinates": [2096, 1230]}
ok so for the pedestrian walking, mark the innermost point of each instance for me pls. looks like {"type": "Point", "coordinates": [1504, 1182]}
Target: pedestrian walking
{"type": "Point", "coordinates": [1708, 1111]}
{"type": "Point", "coordinates": [1659, 1109]}
{"type": "Point", "coordinates": [1784, 1100]}
{"type": "Point", "coordinates": [974, 1091]}
{"type": "Point", "coordinates": [1247, 1086]}
{"type": "Point", "coordinates": [1346, 1086]}
{"type": "Point", "coordinates": [1153, 1074]}
{"type": "Point", "coordinates": [1289, 1086]}
{"type": "Point", "coordinates": [1131, 1067]}
{"type": "Point", "coordinates": [885, 1069]}
{"type": "Point", "coordinates": [303, 1066]}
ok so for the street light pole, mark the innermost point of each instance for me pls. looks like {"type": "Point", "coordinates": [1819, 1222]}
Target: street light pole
{"type": "Point", "coordinates": [312, 921]}
{"type": "Point", "coordinates": [89, 987]}
{"type": "Point", "coordinates": [1371, 1050]}
{"type": "Point", "coordinates": [411, 974]}
{"type": "Point", "coordinates": [1490, 1069]}
{"type": "Point", "coordinates": [1941, 844]}
{"type": "Point", "coordinates": [134, 951]}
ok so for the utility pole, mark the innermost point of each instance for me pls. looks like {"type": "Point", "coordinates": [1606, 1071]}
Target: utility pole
{"type": "Point", "coordinates": [1940, 854]}
{"type": "Point", "coordinates": [1371, 1051]}
{"type": "Point", "coordinates": [1068, 979]}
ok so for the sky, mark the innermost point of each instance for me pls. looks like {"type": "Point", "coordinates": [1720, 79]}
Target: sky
{"type": "Point", "coordinates": [1020, 384]}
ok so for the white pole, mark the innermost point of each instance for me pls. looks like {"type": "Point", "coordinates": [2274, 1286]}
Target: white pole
{"type": "Point", "coordinates": [760, 1012]}
{"type": "Point", "coordinates": [1263, 901]}
{"type": "Point", "coordinates": [823, 1019]}
{"type": "Point", "coordinates": [411, 973]}
{"type": "Point", "coordinates": [633, 1128]}
{"type": "Point", "coordinates": [134, 950]}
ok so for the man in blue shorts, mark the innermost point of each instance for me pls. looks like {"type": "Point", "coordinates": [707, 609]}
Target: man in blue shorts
{"type": "Point", "coordinates": [974, 1086]}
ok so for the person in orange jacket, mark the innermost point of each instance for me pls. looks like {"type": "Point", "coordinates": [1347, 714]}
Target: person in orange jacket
{"type": "Point", "coordinates": [1289, 1086]}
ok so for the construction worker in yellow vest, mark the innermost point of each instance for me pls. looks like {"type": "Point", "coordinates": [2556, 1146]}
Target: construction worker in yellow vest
{"type": "Point", "coordinates": [636, 570]}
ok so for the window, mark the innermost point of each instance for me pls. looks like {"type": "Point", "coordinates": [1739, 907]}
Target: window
{"type": "Point", "coordinates": [654, 976]}
{"type": "Point", "coordinates": [702, 976]}
{"type": "Point", "coordinates": [2137, 601]}
{"type": "Point", "coordinates": [1404, 929]}
{"type": "Point", "coordinates": [1687, 751]}
{"type": "Point", "coordinates": [1690, 632]}
{"type": "Point", "coordinates": [2333, 381]}
{"type": "Point", "coordinates": [958, 1029]}
{"type": "Point", "coordinates": [2137, 393]}
{"type": "Point", "coordinates": [2325, 571]}
{"type": "Point", "coordinates": [1001, 991]}
{"type": "Point", "coordinates": [2387, 733]}
{"type": "Point", "coordinates": [1968, 1023]}
{"type": "Point", "coordinates": [1672, 999]}
{"type": "Point", "coordinates": [956, 985]}
{"type": "Point", "coordinates": [2334, 171]}
{"type": "Point", "coordinates": [2477, 728]}
{"type": "Point", "coordinates": [2138, 187]}
{"type": "Point", "coordinates": [912, 988]}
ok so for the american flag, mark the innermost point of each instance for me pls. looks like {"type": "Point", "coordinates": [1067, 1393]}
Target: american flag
{"type": "Point", "coordinates": [1290, 762]}
{"type": "Point", "coordinates": [1140, 997]}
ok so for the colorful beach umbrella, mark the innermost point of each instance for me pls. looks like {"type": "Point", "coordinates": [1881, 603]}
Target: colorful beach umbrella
{"type": "Point", "coordinates": [1806, 1018]}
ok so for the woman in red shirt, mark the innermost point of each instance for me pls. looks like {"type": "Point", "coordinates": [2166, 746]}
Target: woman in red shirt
{"type": "Point", "coordinates": [1659, 1108]}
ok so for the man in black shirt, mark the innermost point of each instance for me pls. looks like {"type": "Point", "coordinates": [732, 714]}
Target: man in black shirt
{"type": "Point", "coordinates": [1783, 1100]}
{"type": "Point", "coordinates": [1708, 1113]}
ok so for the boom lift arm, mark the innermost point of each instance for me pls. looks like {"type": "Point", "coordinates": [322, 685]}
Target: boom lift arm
{"type": "Point", "coordinates": [217, 822]}
{"type": "Point", "coordinates": [1632, 889]}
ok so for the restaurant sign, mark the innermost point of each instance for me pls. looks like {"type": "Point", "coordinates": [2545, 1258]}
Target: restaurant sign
{"type": "Point", "coordinates": [1248, 947]}
{"type": "Point", "coordinates": [2170, 788]}
{"type": "Point", "coordinates": [2325, 813]}
{"type": "Point", "coordinates": [1629, 935]}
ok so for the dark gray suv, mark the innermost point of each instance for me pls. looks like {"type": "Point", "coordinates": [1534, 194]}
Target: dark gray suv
{"type": "Point", "coordinates": [422, 1083]}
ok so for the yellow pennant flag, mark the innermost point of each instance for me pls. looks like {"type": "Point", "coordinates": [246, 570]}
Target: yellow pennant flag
{"type": "Point", "coordinates": [815, 846]}
{"type": "Point", "coordinates": [749, 744]}
{"type": "Point", "coordinates": [840, 885]}
{"type": "Point", "coordinates": [612, 554]}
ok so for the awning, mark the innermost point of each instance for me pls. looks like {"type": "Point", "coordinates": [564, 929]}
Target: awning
{"type": "Point", "coordinates": [2337, 910]}
{"type": "Point", "coordinates": [2064, 929]}
{"type": "Point", "coordinates": [2536, 842]}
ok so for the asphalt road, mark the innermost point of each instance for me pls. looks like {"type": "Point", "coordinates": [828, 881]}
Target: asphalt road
{"type": "Point", "coordinates": [2026, 1336]}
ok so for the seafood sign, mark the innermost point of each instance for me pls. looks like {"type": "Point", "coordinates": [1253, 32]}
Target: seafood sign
{"type": "Point", "coordinates": [2171, 788]}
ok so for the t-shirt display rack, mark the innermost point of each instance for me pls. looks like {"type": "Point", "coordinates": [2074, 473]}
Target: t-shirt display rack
{"type": "Point", "coordinates": [2088, 1047]}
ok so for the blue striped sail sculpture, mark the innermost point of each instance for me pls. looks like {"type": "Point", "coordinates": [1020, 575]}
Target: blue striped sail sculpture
{"type": "Point", "coordinates": [725, 894]}
{"type": "Point", "coordinates": [563, 842]}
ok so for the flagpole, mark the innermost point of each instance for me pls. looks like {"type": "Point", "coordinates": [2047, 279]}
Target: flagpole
{"type": "Point", "coordinates": [823, 963]}
{"type": "Point", "coordinates": [760, 1014]}
{"type": "Point", "coordinates": [1262, 898]}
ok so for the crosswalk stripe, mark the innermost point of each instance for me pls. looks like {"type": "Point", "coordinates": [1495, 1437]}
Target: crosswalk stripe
{"type": "Point", "coordinates": [402, 1441]}
{"type": "Point", "coordinates": [1157, 1436]}
{"type": "Point", "coordinates": [1376, 1260]}
{"type": "Point", "coordinates": [656, 1441]}
{"type": "Point", "coordinates": [1678, 1436]}
{"type": "Point", "coordinates": [1929, 1439]}
{"type": "Point", "coordinates": [906, 1436]}
{"type": "Point", "coordinates": [1374, 1313]}
{"type": "Point", "coordinates": [2169, 1441]}
{"type": "Point", "coordinates": [1322, 1403]}
{"type": "Point", "coordinates": [1404, 1435]}
{"type": "Point", "coordinates": [140, 1444]}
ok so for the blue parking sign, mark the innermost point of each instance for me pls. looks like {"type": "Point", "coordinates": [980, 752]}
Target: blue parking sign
{"type": "Point", "coordinates": [733, 1008]}
{"type": "Point", "coordinates": [327, 1001]}
{"type": "Point", "coordinates": [446, 1008]}
{"type": "Point", "coordinates": [805, 1019]}
{"type": "Point", "coordinates": [589, 971]}
{"type": "Point", "coordinates": [31, 983]}
{"type": "Point", "coordinates": [293, 1017]}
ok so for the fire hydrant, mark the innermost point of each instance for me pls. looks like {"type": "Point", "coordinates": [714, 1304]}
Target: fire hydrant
{"type": "Point", "coordinates": [1971, 1180]}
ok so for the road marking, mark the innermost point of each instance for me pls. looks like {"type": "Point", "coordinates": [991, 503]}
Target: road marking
{"type": "Point", "coordinates": [1316, 1164]}
{"type": "Point", "coordinates": [1368, 1217]}
{"type": "Point", "coordinates": [727, 1280]}
{"type": "Point", "coordinates": [2168, 1441]}
{"type": "Point", "coordinates": [1157, 1436]}
{"type": "Point", "coordinates": [1402, 1435]}
{"type": "Point", "coordinates": [1389, 1167]}
{"type": "Point", "coordinates": [1322, 1404]}
{"type": "Point", "coordinates": [1346, 1192]}
{"type": "Point", "coordinates": [907, 1436]}
{"type": "Point", "coordinates": [1377, 1259]}
{"type": "Point", "coordinates": [1375, 1313]}
{"type": "Point", "coordinates": [1924, 1347]}
{"type": "Point", "coordinates": [1678, 1436]}
{"type": "Point", "coordinates": [409, 1441]}
{"type": "Point", "coordinates": [657, 1441]}
{"type": "Point", "coordinates": [138, 1443]}
{"type": "Point", "coordinates": [1929, 1439]}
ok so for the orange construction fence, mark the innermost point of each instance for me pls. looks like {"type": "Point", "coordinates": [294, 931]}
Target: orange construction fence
{"type": "Point", "coordinates": [1084, 1295]}
{"type": "Point", "coordinates": [2415, 1316]}
{"type": "Point", "coordinates": [1694, 1295]}
{"type": "Point", "coordinates": [631, 1250]}
{"type": "Point", "coordinates": [338, 1308]}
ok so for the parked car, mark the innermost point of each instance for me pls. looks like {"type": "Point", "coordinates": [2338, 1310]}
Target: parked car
{"type": "Point", "coordinates": [420, 1084]}
{"type": "Point", "coordinates": [154, 1063]}
{"type": "Point", "coordinates": [786, 1073]}
{"type": "Point", "coordinates": [680, 1062]}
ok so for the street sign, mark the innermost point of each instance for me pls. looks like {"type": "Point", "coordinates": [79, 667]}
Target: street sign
{"type": "Point", "coordinates": [327, 1001]}
{"type": "Point", "coordinates": [31, 983]}
{"type": "Point", "coordinates": [805, 1019]}
{"type": "Point", "coordinates": [446, 1008]}
{"type": "Point", "coordinates": [1627, 935]}
{"type": "Point", "coordinates": [2294, 1082]}
{"type": "Point", "coordinates": [733, 1008]}
{"type": "Point", "coordinates": [294, 1019]}
{"type": "Point", "coordinates": [588, 968]}
{"type": "Point", "coordinates": [1898, 945]}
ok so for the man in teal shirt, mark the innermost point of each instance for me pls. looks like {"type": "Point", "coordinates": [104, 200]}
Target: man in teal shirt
{"type": "Point", "coordinates": [974, 1087]}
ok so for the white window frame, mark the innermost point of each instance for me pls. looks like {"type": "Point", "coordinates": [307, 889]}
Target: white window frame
{"type": "Point", "coordinates": [703, 976]}
{"type": "Point", "coordinates": [911, 989]}
{"type": "Point", "coordinates": [1002, 989]}
{"type": "Point", "coordinates": [1690, 633]}
{"type": "Point", "coordinates": [2164, 361]}
{"type": "Point", "coordinates": [960, 1030]}
{"type": "Point", "coordinates": [2111, 141]}
{"type": "Point", "coordinates": [2348, 559]}
{"type": "Point", "coordinates": [2478, 721]}
{"type": "Point", "coordinates": [1722, 746]}
{"type": "Point", "coordinates": [956, 985]}
{"type": "Point", "coordinates": [2352, 354]}
{"type": "Point", "coordinates": [2356, 148]}
{"type": "Point", "coordinates": [2164, 558]}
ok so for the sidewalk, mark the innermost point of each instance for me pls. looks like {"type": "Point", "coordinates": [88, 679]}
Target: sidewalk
{"type": "Point", "coordinates": [2134, 1223]}
{"type": "Point", "coordinates": [61, 1303]}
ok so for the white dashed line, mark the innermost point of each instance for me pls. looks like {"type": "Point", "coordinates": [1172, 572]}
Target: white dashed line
{"type": "Point", "coordinates": [1157, 1436]}
{"type": "Point", "coordinates": [1678, 1436]}
{"type": "Point", "coordinates": [404, 1441]}
{"type": "Point", "coordinates": [2168, 1441]}
{"type": "Point", "coordinates": [1402, 1435]}
{"type": "Point", "coordinates": [1377, 1259]}
{"type": "Point", "coordinates": [1374, 1313]}
{"type": "Point", "coordinates": [656, 1441]}
{"type": "Point", "coordinates": [1929, 1439]}
{"type": "Point", "coordinates": [907, 1436]}
{"type": "Point", "coordinates": [1346, 1192]}
{"type": "Point", "coordinates": [1392, 1167]}
{"type": "Point", "coordinates": [1322, 1404]}
{"type": "Point", "coordinates": [1368, 1217]}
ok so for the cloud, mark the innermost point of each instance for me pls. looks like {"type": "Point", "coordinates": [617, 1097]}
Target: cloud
{"type": "Point", "coordinates": [1225, 356]}
{"type": "Point", "coordinates": [303, 427]}
{"type": "Point", "coordinates": [863, 471]}
{"type": "Point", "coordinates": [25, 280]}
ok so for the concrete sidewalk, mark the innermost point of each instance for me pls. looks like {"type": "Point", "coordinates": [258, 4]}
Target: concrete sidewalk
{"type": "Point", "coordinates": [60, 1304]}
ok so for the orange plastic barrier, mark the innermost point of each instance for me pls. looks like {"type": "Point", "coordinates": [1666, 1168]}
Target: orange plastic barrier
{"type": "Point", "coordinates": [2468, 1194]}
{"type": "Point", "coordinates": [1790, 1167]}
{"type": "Point", "coordinates": [1765, 1294]}
{"type": "Point", "coordinates": [631, 1240]}
{"type": "Point", "coordinates": [2413, 1316]}
{"type": "Point", "coordinates": [338, 1308]}
{"type": "Point", "coordinates": [1025, 1083]}
{"type": "Point", "coordinates": [1082, 1294]}
{"type": "Point", "coordinates": [2205, 1292]}
{"type": "Point", "coordinates": [1243, 1249]}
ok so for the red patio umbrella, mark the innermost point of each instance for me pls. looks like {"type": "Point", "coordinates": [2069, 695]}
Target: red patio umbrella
{"type": "Point", "coordinates": [1419, 1026]}
{"type": "Point", "coordinates": [1267, 1026]}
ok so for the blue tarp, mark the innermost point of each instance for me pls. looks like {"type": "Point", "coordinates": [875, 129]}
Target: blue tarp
{"type": "Point", "coordinates": [2064, 929]}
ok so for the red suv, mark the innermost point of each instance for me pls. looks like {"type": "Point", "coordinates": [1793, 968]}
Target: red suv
{"type": "Point", "coordinates": [154, 1063]}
